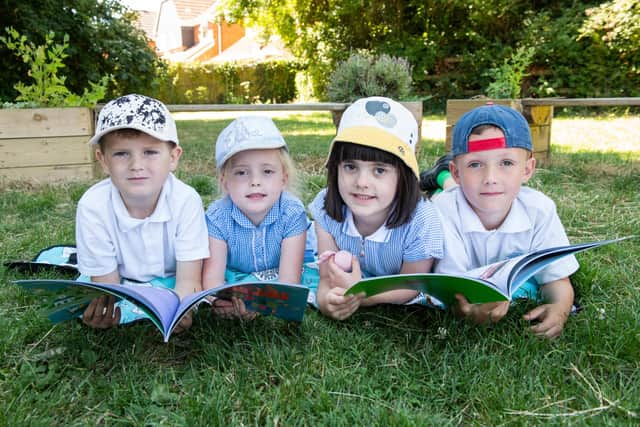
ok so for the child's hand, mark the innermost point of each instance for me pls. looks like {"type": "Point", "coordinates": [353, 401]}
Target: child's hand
{"type": "Point", "coordinates": [481, 313]}
{"type": "Point", "coordinates": [100, 313]}
{"type": "Point", "coordinates": [340, 307]}
{"type": "Point", "coordinates": [552, 318]}
{"type": "Point", "coordinates": [343, 259]}
{"type": "Point", "coordinates": [234, 308]}
{"type": "Point", "coordinates": [341, 278]}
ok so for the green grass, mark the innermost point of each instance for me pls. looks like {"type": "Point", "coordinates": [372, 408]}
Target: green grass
{"type": "Point", "coordinates": [385, 365]}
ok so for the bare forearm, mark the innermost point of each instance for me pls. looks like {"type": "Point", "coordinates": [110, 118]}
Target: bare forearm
{"type": "Point", "coordinates": [188, 277]}
{"type": "Point", "coordinates": [559, 292]}
{"type": "Point", "coordinates": [392, 297]}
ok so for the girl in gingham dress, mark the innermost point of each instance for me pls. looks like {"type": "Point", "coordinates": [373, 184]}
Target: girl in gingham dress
{"type": "Point", "coordinates": [372, 207]}
{"type": "Point", "coordinates": [257, 230]}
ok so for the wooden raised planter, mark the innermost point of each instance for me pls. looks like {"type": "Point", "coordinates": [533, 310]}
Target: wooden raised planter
{"type": "Point", "coordinates": [46, 144]}
{"type": "Point", "coordinates": [538, 117]}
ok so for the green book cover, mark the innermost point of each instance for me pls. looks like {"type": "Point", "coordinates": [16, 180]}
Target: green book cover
{"type": "Point", "coordinates": [494, 282]}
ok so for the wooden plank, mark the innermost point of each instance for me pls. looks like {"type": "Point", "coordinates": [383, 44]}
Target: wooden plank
{"type": "Point", "coordinates": [448, 141]}
{"type": "Point", "coordinates": [457, 107]}
{"type": "Point", "coordinates": [582, 102]}
{"type": "Point", "coordinates": [48, 174]}
{"type": "Point", "coordinates": [45, 122]}
{"type": "Point", "coordinates": [300, 106]}
{"type": "Point", "coordinates": [540, 136]}
{"type": "Point", "coordinates": [27, 152]}
{"type": "Point", "coordinates": [339, 106]}
{"type": "Point", "coordinates": [539, 114]}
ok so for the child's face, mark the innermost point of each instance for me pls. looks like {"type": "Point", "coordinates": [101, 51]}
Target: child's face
{"type": "Point", "coordinates": [368, 189]}
{"type": "Point", "coordinates": [491, 179]}
{"type": "Point", "coordinates": [254, 179]}
{"type": "Point", "coordinates": [139, 166]}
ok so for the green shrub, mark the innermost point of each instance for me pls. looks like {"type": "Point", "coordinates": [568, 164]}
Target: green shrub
{"type": "Point", "coordinates": [507, 78]}
{"type": "Point", "coordinates": [48, 89]}
{"type": "Point", "coordinates": [364, 74]}
{"type": "Point", "coordinates": [264, 82]}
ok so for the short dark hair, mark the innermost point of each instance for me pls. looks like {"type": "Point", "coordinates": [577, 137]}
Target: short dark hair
{"type": "Point", "coordinates": [407, 191]}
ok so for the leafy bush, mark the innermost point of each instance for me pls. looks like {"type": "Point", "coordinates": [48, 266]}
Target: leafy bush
{"type": "Point", "coordinates": [508, 77]}
{"type": "Point", "coordinates": [364, 74]}
{"type": "Point", "coordinates": [264, 82]}
{"type": "Point", "coordinates": [44, 61]}
{"type": "Point", "coordinates": [574, 65]}
{"type": "Point", "coordinates": [104, 41]}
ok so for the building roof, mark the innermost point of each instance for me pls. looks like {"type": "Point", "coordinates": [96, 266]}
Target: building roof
{"type": "Point", "coordinates": [251, 48]}
{"type": "Point", "coordinates": [147, 22]}
{"type": "Point", "coordinates": [192, 9]}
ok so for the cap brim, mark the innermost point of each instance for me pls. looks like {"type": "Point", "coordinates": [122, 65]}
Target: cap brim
{"type": "Point", "coordinates": [96, 138]}
{"type": "Point", "coordinates": [258, 145]}
{"type": "Point", "coordinates": [377, 138]}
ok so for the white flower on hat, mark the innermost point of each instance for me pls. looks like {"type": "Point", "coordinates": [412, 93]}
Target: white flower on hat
{"type": "Point", "coordinates": [381, 111]}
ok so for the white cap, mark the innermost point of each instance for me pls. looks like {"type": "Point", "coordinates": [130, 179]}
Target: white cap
{"type": "Point", "coordinates": [247, 133]}
{"type": "Point", "coordinates": [139, 112]}
{"type": "Point", "coordinates": [381, 123]}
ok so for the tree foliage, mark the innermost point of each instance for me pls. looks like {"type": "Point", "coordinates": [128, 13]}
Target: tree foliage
{"type": "Point", "coordinates": [102, 41]}
{"type": "Point", "coordinates": [451, 44]}
{"type": "Point", "coordinates": [616, 24]}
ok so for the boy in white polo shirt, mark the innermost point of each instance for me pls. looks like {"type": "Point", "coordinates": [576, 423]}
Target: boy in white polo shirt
{"type": "Point", "coordinates": [141, 224]}
{"type": "Point", "coordinates": [489, 216]}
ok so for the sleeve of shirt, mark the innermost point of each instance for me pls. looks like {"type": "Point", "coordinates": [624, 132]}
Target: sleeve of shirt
{"type": "Point", "coordinates": [319, 215]}
{"type": "Point", "coordinates": [295, 217]}
{"type": "Point", "coordinates": [216, 221]}
{"type": "Point", "coordinates": [549, 233]}
{"type": "Point", "coordinates": [424, 236]}
{"type": "Point", "coordinates": [95, 246]}
{"type": "Point", "coordinates": [455, 259]}
{"type": "Point", "coordinates": [192, 242]}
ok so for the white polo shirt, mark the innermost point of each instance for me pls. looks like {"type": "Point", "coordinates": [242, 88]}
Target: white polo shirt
{"type": "Point", "coordinates": [107, 237]}
{"type": "Point", "coordinates": [532, 224]}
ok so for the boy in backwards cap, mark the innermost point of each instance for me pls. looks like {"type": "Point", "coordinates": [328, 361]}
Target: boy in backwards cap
{"type": "Point", "coordinates": [141, 223]}
{"type": "Point", "coordinates": [489, 216]}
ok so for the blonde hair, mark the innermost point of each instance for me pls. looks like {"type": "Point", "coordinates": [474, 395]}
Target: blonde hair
{"type": "Point", "coordinates": [288, 168]}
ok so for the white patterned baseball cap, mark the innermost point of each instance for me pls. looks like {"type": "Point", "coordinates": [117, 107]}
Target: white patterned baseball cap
{"type": "Point", "coordinates": [247, 133]}
{"type": "Point", "coordinates": [381, 123]}
{"type": "Point", "coordinates": [139, 112]}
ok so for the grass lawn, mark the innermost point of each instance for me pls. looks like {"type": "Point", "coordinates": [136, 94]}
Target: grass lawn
{"type": "Point", "coordinates": [383, 366]}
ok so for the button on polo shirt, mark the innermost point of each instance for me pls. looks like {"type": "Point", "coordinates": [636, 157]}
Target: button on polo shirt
{"type": "Point", "coordinates": [144, 240]}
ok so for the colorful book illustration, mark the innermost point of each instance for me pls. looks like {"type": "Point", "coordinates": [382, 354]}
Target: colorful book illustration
{"type": "Point", "coordinates": [495, 282]}
{"type": "Point", "coordinates": [67, 299]}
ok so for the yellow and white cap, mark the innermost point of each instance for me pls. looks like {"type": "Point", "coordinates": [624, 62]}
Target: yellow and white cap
{"type": "Point", "coordinates": [381, 123]}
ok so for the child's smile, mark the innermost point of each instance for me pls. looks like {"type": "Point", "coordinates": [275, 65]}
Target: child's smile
{"type": "Point", "coordinates": [256, 196]}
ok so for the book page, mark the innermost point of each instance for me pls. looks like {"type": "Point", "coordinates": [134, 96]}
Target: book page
{"type": "Point", "coordinates": [496, 273]}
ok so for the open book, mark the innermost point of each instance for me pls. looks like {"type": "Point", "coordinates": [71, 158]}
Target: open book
{"type": "Point", "coordinates": [495, 282]}
{"type": "Point", "coordinates": [67, 299]}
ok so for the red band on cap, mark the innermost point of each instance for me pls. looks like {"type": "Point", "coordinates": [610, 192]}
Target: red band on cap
{"type": "Point", "coordinates": [487, 144]}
